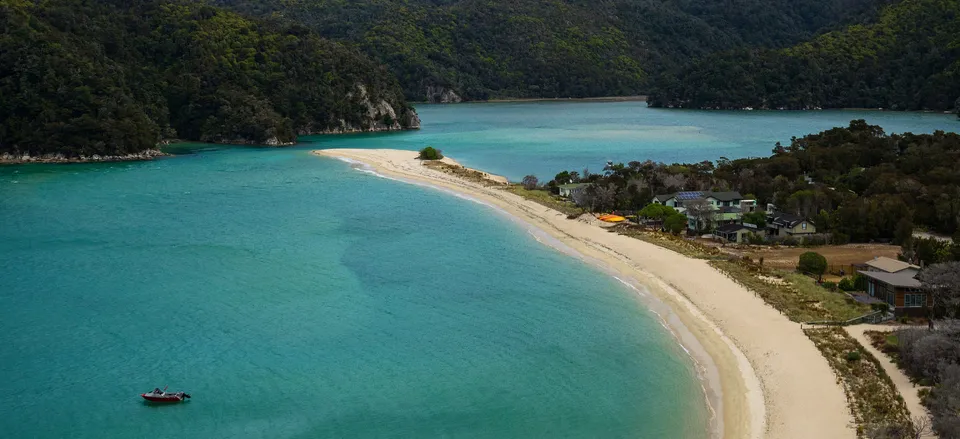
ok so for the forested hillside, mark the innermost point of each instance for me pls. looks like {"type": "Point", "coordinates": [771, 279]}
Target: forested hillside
{"type": "Point", "coordinates": [908, 60]}
{"type": "Point", "coordinates": [481, 49]}
{"type": "Point", "coordinates": [114, 77]}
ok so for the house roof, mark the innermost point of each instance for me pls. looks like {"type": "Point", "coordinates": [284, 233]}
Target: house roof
{"type": "Point", "coordinates": [890, 265]}
{"type": "Point", "coordinates": [732, 228]}
{"type": "Point", "coordinates": [786, 219]}
{"type": "Point", "coordinates": [725, 196]}
{"type": "Point", "coordinates": [693, 195]}
{"type": "Point", "coordinates": [900, 279]}
{"type": "Point", "coordinates": [664, 197]}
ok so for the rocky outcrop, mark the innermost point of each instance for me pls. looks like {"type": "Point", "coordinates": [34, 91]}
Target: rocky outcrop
{"type": "Point", "coordinates": [8, 158]}
{"type": "Point", "coordinates": [379, 115]}
{"type": "Point", "coordinates": [441, 95]}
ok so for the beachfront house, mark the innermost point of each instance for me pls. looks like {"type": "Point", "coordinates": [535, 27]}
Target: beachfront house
{"type": "Point", "coordinates": [895, 282]}
{"type": "Point", "coordinates": [788, 224]}
{"type": "Point", "coordinates": [569, 190]}
{"type": "Point", "coordinates": [727, 206]}
{"type": "Point", "coordinates": [738, 233]}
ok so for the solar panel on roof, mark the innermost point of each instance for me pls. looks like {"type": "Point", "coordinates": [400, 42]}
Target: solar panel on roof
{"type": "Point", "coordinates": [689, 195]}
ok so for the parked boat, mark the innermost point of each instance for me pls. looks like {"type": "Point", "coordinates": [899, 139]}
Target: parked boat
{"type": "Point", "coordinates": [157, 395]}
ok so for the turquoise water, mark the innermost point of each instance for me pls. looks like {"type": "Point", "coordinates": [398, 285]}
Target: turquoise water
{"type": "Point", "coordinates": [296, 297]}
{"type": "Point", "coordinates": [542, 138]}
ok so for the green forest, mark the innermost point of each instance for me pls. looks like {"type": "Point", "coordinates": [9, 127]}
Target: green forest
{"type": "Point", "coordinates": [909, 59]}
{"type": "Point", "coordinates": [856, 183]}
{"type": "Point", "coordinates": [114, 77]}
{"type": "Point", "coordinates": [484, 49]}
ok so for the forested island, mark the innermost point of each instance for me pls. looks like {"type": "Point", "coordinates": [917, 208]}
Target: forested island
{"type": "Point", "coordinates": [854, 183]}
{"type": "Point", "coordinates": [115, 78]}
{"type": "Point", "coordinates": [908, 59]}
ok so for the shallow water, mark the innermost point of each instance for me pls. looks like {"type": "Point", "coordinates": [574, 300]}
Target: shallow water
{"type": "Point", "coordinates": [543, 138]}
{"type": "Point", "coordinates": [296, 297]}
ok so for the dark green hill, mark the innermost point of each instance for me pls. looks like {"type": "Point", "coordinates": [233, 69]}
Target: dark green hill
{"type": "Point", "coordinates": [115, 77]}
{"type": "Point", "coordinates": [482, 49]}
{"type": "Point", "coordinates": [908, 60]}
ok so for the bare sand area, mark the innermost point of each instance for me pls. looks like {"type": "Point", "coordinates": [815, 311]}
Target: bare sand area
{"type": "Point", "coordinates": [773, 382]}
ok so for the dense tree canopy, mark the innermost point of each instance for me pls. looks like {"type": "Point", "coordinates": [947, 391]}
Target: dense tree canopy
{"type": "Point", "coordinates": [856, 182]}
{"type": "Point", "coordinates": [484, 49]}
{"type": "Point", "coordinates": [84, 77]}
{"type": "Point", "coordinates": [908, 60]}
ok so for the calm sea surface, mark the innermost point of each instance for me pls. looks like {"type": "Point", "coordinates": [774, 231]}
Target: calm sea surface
{"type": "Point", "coordinates": [296, 297]}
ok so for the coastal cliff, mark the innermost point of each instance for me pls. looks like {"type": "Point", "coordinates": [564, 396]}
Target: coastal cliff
{"type": "Point", "coordinates": [75, 93]}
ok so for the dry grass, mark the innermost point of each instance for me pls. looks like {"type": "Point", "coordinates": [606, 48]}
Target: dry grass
{"type": "Point", "coordinates": [686, 247]}
{"type": "Point", "coordinates": [462, 172]}
{"type": "Point", "coordinates": [785, 258]}
{"type": "Point", "coordinates": [872, 396]}
{"type": "Point", "coordinates": [796, 296]}
{"type": "Point", "coordinates": [545, 198]}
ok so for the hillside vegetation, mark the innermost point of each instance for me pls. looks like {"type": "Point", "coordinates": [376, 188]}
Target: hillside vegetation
{"type": "Point", "coordinates": [481, 49]}
{"type": "Point", "coordinates": [114, 77]}
{"type": "Point", "coordinates": [864, 184]}
{"type": "Point", "coordinates": [908, 60]}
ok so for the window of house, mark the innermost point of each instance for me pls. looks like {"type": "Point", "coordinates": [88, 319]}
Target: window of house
{"type": "Point", "coordinates": [803, 226]}
{"type": "Point", "coordinates": [914, 300]}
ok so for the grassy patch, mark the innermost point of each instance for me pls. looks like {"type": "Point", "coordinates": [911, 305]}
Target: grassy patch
{"type": "Point", "coordinates": [461, 172]}
{"type": "Point", "coordinates": [545, 198]}
{"type": "Point", "coordinates": [668, 241]}
{"type": "Point", "coordinates": [796, 296]}
{"type": "Point", "coordinates": [873, 399]}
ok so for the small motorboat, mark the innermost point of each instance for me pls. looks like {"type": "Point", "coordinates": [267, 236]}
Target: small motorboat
{"type": "Point", "coordinates": [157, 395]}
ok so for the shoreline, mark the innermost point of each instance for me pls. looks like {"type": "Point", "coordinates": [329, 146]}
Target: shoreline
{"type": "Point", "coordinates": [772, 380]}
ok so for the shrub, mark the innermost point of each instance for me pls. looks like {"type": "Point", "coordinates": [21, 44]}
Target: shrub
{"type": "Point", "coordinates": [530, 182]}
{"type": "Point", "coordinates": [430, 153]}
{"type": "Point", "coordinates": [755, 239]}
{"type": "Point", "coordinates": [813, 263]}
{"type": "Point", "coordinates": [853, 356]}
{"type": "Point", "coordinates": [832, 286]}
{"type": "Point", "coordinates": [845, 284]}
{"type": "Point", "coordinates": [675, 223]}
{"type": "Point", "coordinates": [789, 241]}
{"type": "Point", "coordinates": [838, 238]}
{"type": "Point", "coordinates": [811, 241]}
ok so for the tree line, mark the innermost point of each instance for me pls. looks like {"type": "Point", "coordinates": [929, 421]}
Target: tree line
{"type": "Point", "coordinates": [553, 48]}
{"type": "Point", "coordinates": [110, 77]}
{"type": "Point", "coordinates": [908, 59]}
{"type": "Point", "coordinates": [856, 183]}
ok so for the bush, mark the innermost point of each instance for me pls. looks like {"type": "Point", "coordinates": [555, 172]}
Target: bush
{"type": "Point", "coordinates": [812, 241]}
{"type": "Point", "coordinates": [530, 182]}
{"type": "Point", "coordinates": [853, 356]}
{"type": "Point", "coordinates": [812, 263]}
{"type": "Point", "coordinates": [832, 286]}
{"type": "Point", "coordinates": [789, 241]}
{"type": "Point", "coordinates": [845, 284]}
{"type": "Point", "coordinates": [839, 238]}
{"type": "Point", "coordinates": [755, 239]}
{"type": "Point", "coordinates": [675, 223]}
{"type": "Point", "coordinates": [430, 153]}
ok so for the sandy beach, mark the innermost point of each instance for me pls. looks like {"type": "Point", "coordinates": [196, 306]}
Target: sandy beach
{"type": "Point", "coordinates": [773, 382]}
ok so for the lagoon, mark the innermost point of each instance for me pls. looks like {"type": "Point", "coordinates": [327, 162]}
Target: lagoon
{"type": "Point", "coordinates": [294, 296]}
